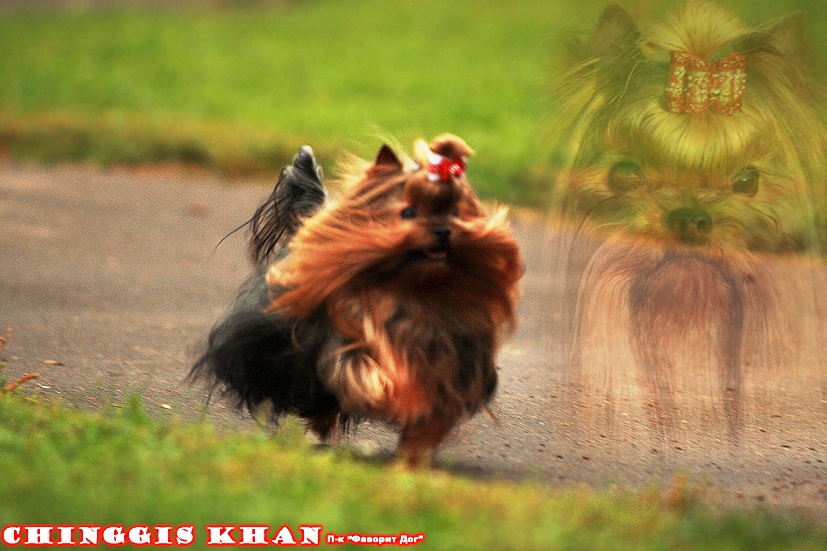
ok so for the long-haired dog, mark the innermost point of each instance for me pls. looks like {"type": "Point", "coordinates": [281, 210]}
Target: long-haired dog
{"type": "Point", "coordinates": [388, 304]}
{"type": "Point", "coordinates": [691, 160]}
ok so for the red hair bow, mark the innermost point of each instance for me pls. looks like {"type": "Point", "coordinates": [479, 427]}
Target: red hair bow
{"type": "Point", "coordinates": [443, 169]}
{"type": "Point", "coordinates": [696, 84]}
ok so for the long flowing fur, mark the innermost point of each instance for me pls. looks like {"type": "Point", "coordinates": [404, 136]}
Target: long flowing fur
{"type": "Point", "coordinates": [388, 303]}
{"type": "Point", "coordinates": [255, 356]}
{"type": "Point", "coordinates": [686, 294]}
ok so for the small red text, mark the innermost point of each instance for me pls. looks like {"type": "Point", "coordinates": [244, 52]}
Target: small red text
{"type": "Point", "coordinates": [374, 539]}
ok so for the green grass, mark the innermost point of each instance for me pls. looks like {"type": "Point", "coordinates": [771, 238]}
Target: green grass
{"type": "Point", "coordinates": [62, 466]}
{"type": "Point", "coordinates": [239, 90]}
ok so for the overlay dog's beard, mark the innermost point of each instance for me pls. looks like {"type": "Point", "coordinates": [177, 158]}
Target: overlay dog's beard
{"type": "Point", "coordinates": [686, 325]}
{"type": "Point", "coordinates": [681, 339]}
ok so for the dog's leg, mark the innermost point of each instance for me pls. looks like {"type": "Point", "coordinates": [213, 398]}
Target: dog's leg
{"type": "Point", "coordinates": [420, 439]}
{"type": "Point", "coordinates": [324, 426]}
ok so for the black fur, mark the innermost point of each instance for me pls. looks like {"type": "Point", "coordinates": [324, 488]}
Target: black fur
{"type": "Point", "coordinates": [255, 356]}
{"type": "Point", "coordinates": [298, 194]}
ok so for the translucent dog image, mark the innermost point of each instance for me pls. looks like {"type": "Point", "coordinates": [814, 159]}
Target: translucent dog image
{"type": "Point", "coordinates": [691, 181]}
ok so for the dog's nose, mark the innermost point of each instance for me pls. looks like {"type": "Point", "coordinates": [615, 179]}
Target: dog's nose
{"type": "Point", "coordinates": [442, 235]}
{"type": "Point", "coordinates": [691, 226]}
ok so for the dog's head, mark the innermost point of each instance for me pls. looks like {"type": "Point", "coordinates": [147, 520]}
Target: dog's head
{"type": "Point", "coordinates": [699, 131]}
{"type": "Point", "coordinates": [410, 222]}
{"type": "Point", "coordinates": [410, 229]}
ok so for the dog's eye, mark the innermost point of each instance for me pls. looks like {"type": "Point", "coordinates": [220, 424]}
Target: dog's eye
{"type": "Point", "coordinates": [625, 176]}
{"type": "Point", "coordinates": [455, 213]}
{"type": "Point", "coordinates": [747, 182]}
{"type": "Point", "coordinates": [408, 212]}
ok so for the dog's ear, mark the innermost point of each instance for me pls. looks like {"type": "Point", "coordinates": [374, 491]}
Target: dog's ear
{"type": "Point", "coordinates": [783, 50]}
{"type": "Point", "coordinates": [787, 39]}
{"type": "Point", "coordinates": [386, 160]}
{"type": "Point", "coordinates": [614, 32]}
{"type": "Point", "coordinates": [614, 35]}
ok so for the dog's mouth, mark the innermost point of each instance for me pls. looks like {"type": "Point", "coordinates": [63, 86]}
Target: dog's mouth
{"type": "Point", "coordinates": [434, 256]}
{"type": "Point", "coordinates": [436, 252]}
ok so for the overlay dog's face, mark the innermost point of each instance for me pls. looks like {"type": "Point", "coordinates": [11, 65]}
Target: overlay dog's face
{"type": "Point", "coordinates": [750, 205]}
{"type": "Point", "coordinates": [745, 179]}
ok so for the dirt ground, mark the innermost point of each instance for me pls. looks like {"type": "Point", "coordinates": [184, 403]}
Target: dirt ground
{"type": "Point", "coordinates": [111, 280]}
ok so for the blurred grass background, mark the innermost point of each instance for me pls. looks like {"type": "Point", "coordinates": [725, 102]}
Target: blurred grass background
{"type": "Point", "coordinates": [238, 85]}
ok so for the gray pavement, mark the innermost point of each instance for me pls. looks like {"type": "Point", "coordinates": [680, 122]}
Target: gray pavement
{"type": "Point", "coordinates": [111, 280]}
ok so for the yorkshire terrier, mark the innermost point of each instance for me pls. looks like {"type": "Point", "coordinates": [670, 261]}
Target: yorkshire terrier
{"type": "Point", "coordinates": [388, 304]}
{"type": "Point", "coordinates": [691, 160]}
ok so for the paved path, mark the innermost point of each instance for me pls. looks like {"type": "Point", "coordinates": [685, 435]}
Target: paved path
{"type": "Point", "coordinates": [110, 281]}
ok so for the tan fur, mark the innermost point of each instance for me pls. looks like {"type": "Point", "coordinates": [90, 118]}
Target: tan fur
{"type": "Point", "coordinates": [691, 321]}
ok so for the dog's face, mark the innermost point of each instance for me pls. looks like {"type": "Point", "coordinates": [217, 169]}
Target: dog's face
{"type": "Point", "coordinates": [752, 205]}
{"type": "Point", "coordinates": [745, 179]}
{"type": "Point", "coordinates": [417, 233]}
{"type": "Point", "coordinates": [410, 225]}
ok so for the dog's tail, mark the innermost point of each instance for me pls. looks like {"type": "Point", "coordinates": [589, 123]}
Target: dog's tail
{"type": "Point", "coordinates": [256, 356]}
{"type": "Point", "coordinates": [298, 194]}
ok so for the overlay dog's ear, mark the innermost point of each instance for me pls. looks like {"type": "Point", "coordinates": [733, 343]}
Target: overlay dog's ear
{"type": "Point", "coordinates": [386, 160]}
{"type": "Point", "coordinates": [783, 51]}
{"type": "Point", "coordinates": [787, 38]}
{"type": "Point", "coordinates": [615, 31]}
{"type": "Point", "coordinates": [614, 35]}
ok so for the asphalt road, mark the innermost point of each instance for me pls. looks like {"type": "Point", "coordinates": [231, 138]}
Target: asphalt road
{"type": "Point", "coordinates": [111, 280]}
